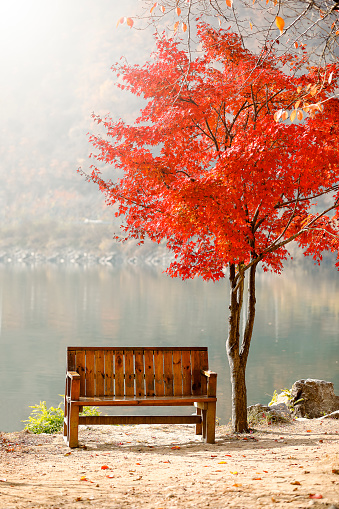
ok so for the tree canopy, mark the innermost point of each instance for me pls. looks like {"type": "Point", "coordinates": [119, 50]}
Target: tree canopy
{"type": "Point", "coordinates": [214, 167]}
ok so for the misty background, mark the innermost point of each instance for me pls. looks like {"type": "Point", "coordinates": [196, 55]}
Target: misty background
{"type": "Point", "coordinates": [55, 71]}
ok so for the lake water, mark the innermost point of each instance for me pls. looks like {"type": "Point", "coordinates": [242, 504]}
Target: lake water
{"type": "Point", "coordinates": [47, 308]}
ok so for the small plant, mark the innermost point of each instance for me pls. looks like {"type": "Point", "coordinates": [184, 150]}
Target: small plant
{"type": "Point", "coordinates": [287, 393]}
{"type": "Point", "coordinates": [284, 392]}
{"type": "Point", "coordinates": [50, 420]}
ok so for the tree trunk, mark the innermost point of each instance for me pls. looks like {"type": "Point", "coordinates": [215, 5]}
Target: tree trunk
{"type": "Point", "coordinates": [237, 351]}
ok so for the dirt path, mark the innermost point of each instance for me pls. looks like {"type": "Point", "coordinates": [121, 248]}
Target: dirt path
{"type": "Point", "coordinates": [168, 467]}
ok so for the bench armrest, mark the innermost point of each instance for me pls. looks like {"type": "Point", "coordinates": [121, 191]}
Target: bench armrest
{"type": "Point", "coordinates": [211, 382]}
{"type": "Point", "coordinates": [72, 385]}
{"type": "Point", "coordinates": [208, 373]}
{"type": "Point", "coordinates": [73, 375]}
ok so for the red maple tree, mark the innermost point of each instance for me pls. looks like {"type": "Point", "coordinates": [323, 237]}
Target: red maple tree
{"type": "Point", "coordinates": [214, 168]}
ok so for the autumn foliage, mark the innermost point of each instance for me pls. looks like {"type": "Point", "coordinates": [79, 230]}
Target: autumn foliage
{"type": "Point", "coordinates": [226, 164]}
{"type": "Point", "coordinates": [213, 167]}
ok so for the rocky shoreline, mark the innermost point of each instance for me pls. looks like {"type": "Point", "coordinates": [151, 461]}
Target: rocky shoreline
{"type": "Point", "coordinates": [81, 258]}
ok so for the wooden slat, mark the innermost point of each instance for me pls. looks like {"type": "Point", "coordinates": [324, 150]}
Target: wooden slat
{"type": "Point", "coordinates": [186, 373]}
{"type": "Point", "coordinates": [196, 376]}
{"type": "Point", "coordinates": [129, 373]}
{"type": "Point", "coordinates": [80, 368]}
{"type": "Point", "coordinates": [204, 366]}
{"type": "Point", "coordinates": [149, 373]}
{"type": "Point", "coordinates": [119, 373]}
{"type": "Point", "coordinates": [139, 373]}
{"type": "Point", "coordinates": [109, 380]}
{"type": "Point", "coordinates": [100, 373]}
{"type": "Point", "coordinates": [89, 373]}
{"type": "Point", "coordinates": [140, 419]}
{"type": "Point", "coordinates": [71, 360]}
{"type": "Point", "coordinates": [168, 373]}
{"type": "Point", "coordinates": [177, 373]}
{"type": "Point", "coordinates": [159, 372]}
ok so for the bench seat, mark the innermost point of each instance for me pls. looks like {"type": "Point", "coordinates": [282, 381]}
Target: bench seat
{"type": "Point", "coordinates": [144, 401]}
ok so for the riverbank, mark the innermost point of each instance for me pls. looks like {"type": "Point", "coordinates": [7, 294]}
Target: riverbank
{"type": "Point", "coordinates": [294, 466]}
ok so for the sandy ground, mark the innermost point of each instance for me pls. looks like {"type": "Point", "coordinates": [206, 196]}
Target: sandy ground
{"type": "Point", "coordinates": [293, 466]}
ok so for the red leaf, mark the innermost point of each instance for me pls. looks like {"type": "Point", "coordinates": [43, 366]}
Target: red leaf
{"type": "Point", "coordinates": [316, 495]}
{"type": "Point", "coordinates": [104, 467]}
{"type": "Point", "coordinates": [154, 6]}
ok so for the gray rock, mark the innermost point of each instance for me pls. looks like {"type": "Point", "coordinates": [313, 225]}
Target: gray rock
{"type": "Point", "coordinates": [313, 398]}
{"type": "Point", "coordinates": [278, 410]}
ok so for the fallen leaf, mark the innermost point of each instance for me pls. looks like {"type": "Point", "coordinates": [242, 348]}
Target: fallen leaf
{"type": "Point", "coordinates": [175, 447]}
{"type": "Point", "coordinates": [236, 485]}
{"type": "Point", "coordinates": [3, 480]}
{"type": "Point", "coordinates": [234, 473]}
{"type": "Point", "coordinates": [110, 476]}
{"type": "Point", "coordinates": [316, 495]}
{"type": "Point", "coordinates": [256, 479]}
{"type": "Point", "coordinates": [83, 478]}
{"type": "Point", "coordinates": [296, 483]}
{"type": "Point", "coordinates": [222, 462]}
{"type": "Point", "coordinates": [334, 471]}
{"type": "Point", "coordinates": [104, 467]}
{"type": "Point", "coordinates": [229, 455]}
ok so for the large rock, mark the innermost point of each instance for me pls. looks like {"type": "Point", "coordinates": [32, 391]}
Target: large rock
{"type": "Point", "coordinates": [313, 398]}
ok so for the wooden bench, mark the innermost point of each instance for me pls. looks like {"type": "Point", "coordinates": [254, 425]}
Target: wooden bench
{"type": "Point", "coordinates": [137, 377]}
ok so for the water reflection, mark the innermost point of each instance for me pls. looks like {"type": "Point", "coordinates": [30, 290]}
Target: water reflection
{"type": "Point", "coordinates": [45, 309]}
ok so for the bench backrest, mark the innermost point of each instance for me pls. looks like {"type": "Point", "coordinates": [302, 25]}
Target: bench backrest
{"type": "Point", "coordinates": [169, 371]}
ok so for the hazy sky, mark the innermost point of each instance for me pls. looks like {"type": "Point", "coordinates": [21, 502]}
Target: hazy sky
{"type": "Point", "coordinates": [55, 71]}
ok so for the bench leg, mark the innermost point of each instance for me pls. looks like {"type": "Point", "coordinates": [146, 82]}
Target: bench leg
{"type": "Point", "coordinates": [198, 427]}
{"type": "Point", "coordinates": [65, 419]}
{"type": "Point", "coordinates": [72, 426]}
{"type": "Point", "coordinates": [209, 423]}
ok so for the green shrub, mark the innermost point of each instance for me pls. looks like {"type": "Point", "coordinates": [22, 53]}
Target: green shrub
{"type": "Point", "coordinates": [50, 420]}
